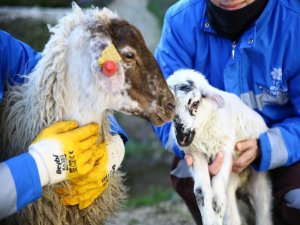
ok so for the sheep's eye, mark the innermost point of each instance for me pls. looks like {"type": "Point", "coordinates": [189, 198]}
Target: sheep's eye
{"type": "Point", "coordinates": [129, 55]}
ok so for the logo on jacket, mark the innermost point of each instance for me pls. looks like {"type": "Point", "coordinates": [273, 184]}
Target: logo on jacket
{"type": "Point", "coordinates": [278, 83]}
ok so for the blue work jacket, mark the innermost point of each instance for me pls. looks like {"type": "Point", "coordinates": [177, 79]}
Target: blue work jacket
{"type": "Point", "coordinates": [262, 68]}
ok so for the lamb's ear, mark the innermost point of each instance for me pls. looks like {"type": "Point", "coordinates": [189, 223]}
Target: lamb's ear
{"type": "Point", "coordinates": [215, 97]}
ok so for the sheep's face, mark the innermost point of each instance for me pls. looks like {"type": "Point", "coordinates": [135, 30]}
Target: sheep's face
{"type": "Point", "coordinates": [138, 87]}
{"type": "Point", "coordinates": [146, 90]}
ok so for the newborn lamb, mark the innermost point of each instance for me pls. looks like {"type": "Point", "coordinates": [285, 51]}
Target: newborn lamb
{"type": "Point", "coordinates": [206, 121]}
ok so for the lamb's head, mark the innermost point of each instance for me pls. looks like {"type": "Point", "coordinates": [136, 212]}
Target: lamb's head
{"type": "Point", "coordinates": [136, 87]}
{"type": "Point", "coordinates": [195, 100]}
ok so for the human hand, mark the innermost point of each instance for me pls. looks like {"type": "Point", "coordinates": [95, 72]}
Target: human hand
{"type": "Point", "coordinates": [248, 151]}
{"type": "Point", "coordinates": [213, 168]}
{"type": "Point", "coordinates": [64, 151]}
{"type": "Point", "coordinates": [85, 190]}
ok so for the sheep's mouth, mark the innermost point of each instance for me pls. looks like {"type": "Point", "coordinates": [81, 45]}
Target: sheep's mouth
{"type": "Point", "coordinates": [159, 119]}
{"type": "Point", "coordinates": [184, 139]}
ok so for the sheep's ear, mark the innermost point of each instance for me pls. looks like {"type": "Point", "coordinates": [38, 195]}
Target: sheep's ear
{"type": "Point", "coordinates": [103, 50]}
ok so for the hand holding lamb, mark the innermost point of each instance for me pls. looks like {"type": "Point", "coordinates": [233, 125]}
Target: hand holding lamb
{"type": "Point", "coordinates": [248, 151]}
{"type": "Point", "coordinates": [213, 168]}
{"type": "Point", "coordinates": [63, 152]}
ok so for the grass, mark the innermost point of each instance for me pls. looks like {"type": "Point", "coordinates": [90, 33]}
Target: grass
{"type": "Point", "coordinates": [153, 196]}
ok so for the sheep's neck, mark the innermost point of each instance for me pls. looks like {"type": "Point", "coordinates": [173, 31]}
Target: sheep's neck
{"type": "Point", "coordinates": [83, 113]}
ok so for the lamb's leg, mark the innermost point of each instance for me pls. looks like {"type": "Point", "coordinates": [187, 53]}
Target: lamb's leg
{"type": "Point", "coordinates": [219, 186]}
{"type": "Point", "coordinates": [259, 188]}
{"type": "Point", "coordinates": [202, 188]}
{"type": "Point", "coordinates": [232, 216]}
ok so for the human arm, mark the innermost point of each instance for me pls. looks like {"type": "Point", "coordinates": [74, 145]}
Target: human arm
{"type": "Point", "coordinates": [280, 144]}
{"type": "Point", "coordinates": [17, 59]}
{"type": "Point", "coordinates": [18, 188]}
{"type": "Point", "coordinates": [60, 152]}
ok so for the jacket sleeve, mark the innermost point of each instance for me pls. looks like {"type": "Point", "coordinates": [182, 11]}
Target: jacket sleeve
{"type": "Point", "coordinates": [171, 55]}
{"type": "Point", "coordinates": [115, 128]}
{"type": "Point", "coordinates": [17, 59]}
{"type": "Point", "coordinates": [18, 189]}
{"type": "Point", "coordinates": [280, 145]}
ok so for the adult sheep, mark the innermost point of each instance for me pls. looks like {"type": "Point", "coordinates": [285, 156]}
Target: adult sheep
{"type": "Point", "coordinates": [206, 121]}
{"type": "Point", "coordinates": [68, 84]}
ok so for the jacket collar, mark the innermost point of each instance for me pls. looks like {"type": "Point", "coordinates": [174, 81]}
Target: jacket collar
{"type": "Point", "coordinates": [248, 39]}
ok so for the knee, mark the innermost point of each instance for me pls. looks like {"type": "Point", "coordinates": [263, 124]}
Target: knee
{"type": "Point", "coordinates": [292, 198]}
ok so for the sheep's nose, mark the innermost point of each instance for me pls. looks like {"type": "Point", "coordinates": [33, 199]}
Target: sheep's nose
{"type": "Point", "coordinates": [171, 106]}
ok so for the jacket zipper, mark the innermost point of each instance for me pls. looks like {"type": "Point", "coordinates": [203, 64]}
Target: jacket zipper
{"type": "Point", "coordinates": [233, 49]}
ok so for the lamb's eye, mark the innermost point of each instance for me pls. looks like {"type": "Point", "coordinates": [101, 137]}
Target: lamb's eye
{"type": "Point", "coordinates": [195, 104]}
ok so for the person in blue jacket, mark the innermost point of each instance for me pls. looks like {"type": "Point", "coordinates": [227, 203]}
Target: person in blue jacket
{"type": "Point", "coordinates": [249, 48]}
{"type": "Point", "coordinates": [22, 177]}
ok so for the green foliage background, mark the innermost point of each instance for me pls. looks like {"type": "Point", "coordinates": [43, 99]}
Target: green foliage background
{"type": "Point", "coordinates": [159, 7]}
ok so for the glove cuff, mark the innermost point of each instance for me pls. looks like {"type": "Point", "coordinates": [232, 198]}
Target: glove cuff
{"type": "Point", "coordinates": [50, 160]}
{"type": "Point", "coordinates": [116, 152]}
{"type": "Point", "coordinates": [42, 169]}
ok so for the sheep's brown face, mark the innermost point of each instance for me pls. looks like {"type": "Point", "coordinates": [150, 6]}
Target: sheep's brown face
{"type": "Point", "coordinates": [145, 83]}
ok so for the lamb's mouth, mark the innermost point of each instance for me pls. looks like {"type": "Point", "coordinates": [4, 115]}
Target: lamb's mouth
{"type": "Point", "coordinates": [184, 139]}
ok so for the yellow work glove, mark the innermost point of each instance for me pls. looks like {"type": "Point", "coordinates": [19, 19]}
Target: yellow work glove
{"type": "Point", "coordinates": [63, 151]}
{"type": "Point", "coordinates": [85, 190]}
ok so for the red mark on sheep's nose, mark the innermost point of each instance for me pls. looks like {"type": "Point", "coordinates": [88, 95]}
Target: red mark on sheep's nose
{"type": "Point", "coordinates": [109, 68]}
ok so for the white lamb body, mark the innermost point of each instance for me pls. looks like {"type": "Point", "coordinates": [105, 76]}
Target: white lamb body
{"type": "Point", "coordinates": [206, 121]}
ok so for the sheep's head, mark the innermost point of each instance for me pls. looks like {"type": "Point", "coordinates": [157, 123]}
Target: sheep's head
{"type": "Point", "coordinates": [195, 99]}
{"type": "Point", "coordinates": [137, 87]}
{"type": "Point", "coordinates": [145, 85]}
